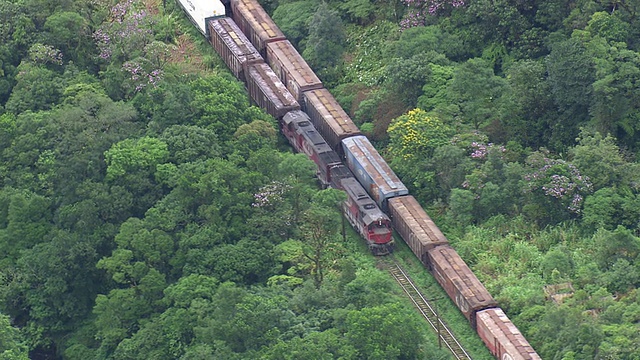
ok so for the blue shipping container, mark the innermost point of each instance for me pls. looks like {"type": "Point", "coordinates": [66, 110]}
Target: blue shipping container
{"type": "Point", "coordinates": [372, 170]}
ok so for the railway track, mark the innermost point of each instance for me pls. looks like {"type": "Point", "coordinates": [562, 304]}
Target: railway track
{"type": "Point", "coordinates": [445, 336]}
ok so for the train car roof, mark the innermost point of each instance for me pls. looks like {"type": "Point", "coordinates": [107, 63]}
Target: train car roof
{"type": "Point", "coordinates": [375, 165]}
{"type": "Point", "coordinates": [271, 86]}
{"type": "Point", "coordinates": [332, 112]}
{"type": "Point", "coordinates": [199, 11]}
{"type": "Point", "coordinates": [496, 322]}
{"type": "Point", "coordinates": [422, 226]}
{"type": "Point", "coordinates": [462, 278]}
{"type": "Point", "coordinates": [258, 17]}
{"type": "Point", "coordinates": [294, 63]}
{"type": "Point", "coordinates": [236, 40]}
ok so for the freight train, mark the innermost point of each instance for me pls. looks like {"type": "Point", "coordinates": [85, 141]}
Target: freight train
{"type": "Point", "coordinates": [281, 82]}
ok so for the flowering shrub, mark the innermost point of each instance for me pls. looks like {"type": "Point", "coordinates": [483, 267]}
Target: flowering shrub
{"type": "Point", "coordinates": [558, 180]}
{"type": "Point", "coordinates": [43, 54]}
{"type": "Point", "coordinates": [139, 76]}
{"type": "Point", "coordinates": [480, 150]}
{"type": "Point", "coordinates": [270, 195]}
{"type": "Point", "coordinates": [420, 9]}
{"type": "Point", "coordinates": [417, 134]}
{"type": "Point", "coordinates": [127, 38]}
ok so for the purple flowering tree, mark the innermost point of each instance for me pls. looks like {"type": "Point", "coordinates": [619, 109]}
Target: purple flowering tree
{"type": "Point", "coordinates": [419, 10]}
{"type": "Point", "coordinates": [556, 186]}
{"type": "Point", "coordinates": [127, 38]}
{"type": "Point", "coordinates": [127, 31]}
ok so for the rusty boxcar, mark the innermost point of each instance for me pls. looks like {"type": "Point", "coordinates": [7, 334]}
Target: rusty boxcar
{"type": "Point", "coordinates": [415, 226]}
{"type": "Point", "coordinates": [256, 24]}
{"type": "Point", "coordinates": [232, 45]}
{"type": "Point", "coordinates": [460, 283]}
{"type": "Point", "coordinates": [268, 92]}
{"type": "Point", "coordinates": [291, 68]}
{"type": "Point", "coordinates": [329, 118]}
{"type": "Point", "coordinates": [502, 337]}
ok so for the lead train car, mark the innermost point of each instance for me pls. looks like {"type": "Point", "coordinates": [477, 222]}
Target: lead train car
{"type": "Point", "coordinates": [372, 171]}
{"type": "Point", "coordinates": [366, 217]}
{"type": "Point", "coordinates": [502, 338]}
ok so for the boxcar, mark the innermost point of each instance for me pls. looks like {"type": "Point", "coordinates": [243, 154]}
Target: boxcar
{"type": "Point", "coordinates": [256, 24]}
{"type": "Point", "coordinates": [329, 118]}
{"type": "Point", "coordinates": [297, 128]}
{"type": "Point", "coordinates": [460, 283]}
{"type": "Point", "coordinates": [502, 337]}
{"type": "Point", "coordinates": [232, 45]}
{"type": "Point", "coordinates": [291, 68]}
{"type": "Point", "coordinates": [268, 92]}
{"type": "Point", "coordinates": [199, 11]}
{"type": "Point", "coordinates": [372, 170]}
{"type": "Point", "coordinates": [367, 218]}
{"type": "Point", "coordinates": [415, 226]}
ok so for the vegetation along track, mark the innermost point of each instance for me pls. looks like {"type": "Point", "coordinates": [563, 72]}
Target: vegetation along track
{"type": "Point", "coordinates": [425, 307]}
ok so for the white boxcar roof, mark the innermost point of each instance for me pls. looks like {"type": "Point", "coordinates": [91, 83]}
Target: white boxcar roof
{"type": "Point", "coordinates": [200, 10]}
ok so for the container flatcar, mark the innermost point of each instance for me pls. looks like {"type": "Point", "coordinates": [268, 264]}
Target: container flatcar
{"type": "Point", "coordinates": [291, 68]}
{"type": "Point", "coordinates": [199, 11]}
{"type": "Point", "coordinates": [415, 226]}
{"type": "Point", "coordinates": [367, 218]}
{"type": "Point", "coordinates": [256, 24]}
{"type": "Point", "coordinates": [329, 118]}
{"type": "Point", "coordinates": [301, 134]}
{"type": "Point", "coordinates": [502, 337]}
{"type": "Point", "coordinates": [372, 171]}
{"type": "Point", "coordinates": [232, 45]}
{"type": "Point", "coordinates": [460, 283]}
{"type": "Point", "coordinates": [268, 92]}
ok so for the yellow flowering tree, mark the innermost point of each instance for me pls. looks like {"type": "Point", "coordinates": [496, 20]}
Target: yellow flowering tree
{"type": "Point", "coordinates": [416, 134]}
{"type": "Point", "coordinates": [413, 140]}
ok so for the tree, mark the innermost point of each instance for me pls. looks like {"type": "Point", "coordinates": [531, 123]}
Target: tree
{"type": "Point", "coordinates": [319, 231]}
{"type": "Point", "coordinates": [293, 19]}
{"type": "Point", "coordinates": [613, 245]}
{"type": "Point", "coordinates": [187, 143]}
{"type": "Point", "coordinates": [12, 345]}
{"type": "Point", "coordinates": [37, 88]}
{"type": "Point", "coordinates": [416, 135]}
{"type": "Point", "coordinates": [477, 92]}
{"type": "Point", "coordinates": [383, 332]}
{"type": "Point", "coordinates": [326, 39]}
{"type": "Point", "coordinates": [571, 74]}
{"type": "Point", "coordinates": [528, 119]}
{"type": "Point", "coordinates": [69, 32]}
{"type": "Point", "coordinates": [557, 188]}
{"type": "Point", "coordinates": [325, 345]}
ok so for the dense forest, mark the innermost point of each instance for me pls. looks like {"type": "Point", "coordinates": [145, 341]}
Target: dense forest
{"type": "Point", "coordinates": [148, 211]}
